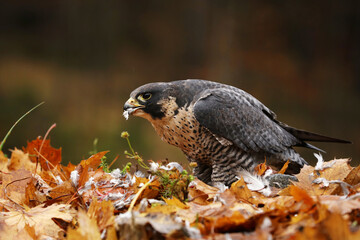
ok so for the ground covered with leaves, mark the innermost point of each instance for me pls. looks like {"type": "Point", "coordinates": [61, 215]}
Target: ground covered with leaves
{"type": "Point", "coordinates": [42, 199]}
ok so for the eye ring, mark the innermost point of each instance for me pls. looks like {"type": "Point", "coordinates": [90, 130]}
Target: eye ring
{"type": "Point", "coordinates": [144, 97]}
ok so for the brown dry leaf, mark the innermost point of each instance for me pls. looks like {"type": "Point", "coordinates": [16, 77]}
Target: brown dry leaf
{"type": "Point", "coordinates": [201, 193]}
{"type": "Point", "coordinates": [39, 218]}
{"type": "Point", "coordinates": [352, 178]}
{"type": "Point", "coordinates": [4, 161]}
{"type": "Point", "coordinates": [14, 185]}
{"type": "Point", "coordinates": [283, 169]}
{"type": "Point", "coordinates": [88, 228]}
{"type": "Point", "coordinates": [63, 192]}
{"type": "Point", "coordinates": [10, 233]}
{"type": "Point", "coordinates": [240, 190]}
{"type": "Point", "coordinates": [20, 160]}
{"type": "Point", "coordinates": [102, 212]}
{"type": "Point", "coordinates": [339, 170]}
{"type": "Point", "coordinates": [33, 197]}
{"type": "Point", "coordinates": [215, 209]}
{"type": "Point", "coordinates": [50, 154]}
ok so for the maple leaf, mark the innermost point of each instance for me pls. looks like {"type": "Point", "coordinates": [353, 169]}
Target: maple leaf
{"type": "Point", "coordinates": [14, 185]}
{"type": "Point", "coordinates": [38, 218]}
{"type": "Point", "coordinates": [201, 193]}
{"type": "Point", "coordinates": [301, 195]}
{"type": "Point", "coordinates": [50, 157]}
{"type": "Point", "coordinates": [92, 163]}
{"type": "Point", "coordinates": [102, 212]}
{"type": "Point", "coordinates": [352, 178]}
{"type": "Point", "coordinates": [241, 190]}
{"type": "Point", "coordinates": [339, 169]}
{"type": "Point", "coordinates": [4, 161]}
{"type": "Point", "coordinates": [20, 160]}
{"type": "Point", "coordinates": [88, 228]}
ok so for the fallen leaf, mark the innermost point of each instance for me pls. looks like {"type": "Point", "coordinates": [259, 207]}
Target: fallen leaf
{"type": "Point", "coordinates": [4, 161]}
{"type": "Point", "coordinates": [102, 212]}
{"type": "Point", "coordinates": [14, 186]}
{"type": "Point", "coordinates": [240, 190]}
{"type": "Point", "coordinates": [352, 178]}
{"type": "Point", "coordinates": [301, 195]}
{"type": "Point", "coordinates": [39, 218]}
{"type": "Point", "coordinates": [175, 202]}
{"type": "Point", "coordinates": [48, 153]}
{"type": "Point", "coordinates": [336, 227]}
{"type": "Point", "coordinates": [201, 193]}
{"type": "Point", "coordinates": [88, 228]}
{"type": "Point", "coordinates": [20, 160]}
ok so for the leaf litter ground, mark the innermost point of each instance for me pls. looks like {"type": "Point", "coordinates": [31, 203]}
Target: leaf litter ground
{"type": "Point", "coordinates": [42, 199]}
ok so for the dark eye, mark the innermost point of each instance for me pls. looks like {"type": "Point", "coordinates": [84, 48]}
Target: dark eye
{"type": "Point", "coordinates": [145, 96]}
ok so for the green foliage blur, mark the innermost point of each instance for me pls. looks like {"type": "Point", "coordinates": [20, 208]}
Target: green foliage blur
{"type": "Point", "coordinates": [83, 58]}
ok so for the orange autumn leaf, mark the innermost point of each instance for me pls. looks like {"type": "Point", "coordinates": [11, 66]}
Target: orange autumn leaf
{"type": "Point", "coordinates": [90, 164]}
{"type": "Point", "coordinates": [94, 160]}
{"type": "Point", "coordinates": [240, 190]}
{"type": "Point", "coordinates": [301, 195]}
{"type": "Point", "coordinates": [261, 168]}
{"type": "Point", "coordinates": [175, 202]}
{"type": "Point", "coordinates": [46, 151]}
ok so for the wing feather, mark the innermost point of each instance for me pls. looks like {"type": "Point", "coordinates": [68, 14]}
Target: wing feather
{"type": "Point", "coordinates": [240, 118]}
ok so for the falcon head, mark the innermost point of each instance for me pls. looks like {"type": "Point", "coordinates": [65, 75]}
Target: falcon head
{"type": "Point", "coordinates": [149, 101]}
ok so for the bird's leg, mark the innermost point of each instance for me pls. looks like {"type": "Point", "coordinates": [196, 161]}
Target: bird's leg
{"type": "Point", "coordinates": [203, 172]}
{"type": "Point", "coordinates": [222, 174]}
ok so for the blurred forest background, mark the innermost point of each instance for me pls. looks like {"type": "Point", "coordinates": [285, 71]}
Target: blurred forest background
{"type": "Point", "coordinates": [83, 58]}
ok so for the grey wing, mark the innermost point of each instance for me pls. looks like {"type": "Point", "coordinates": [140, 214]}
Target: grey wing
{"type": "Point", "coordinates": [240, 118]}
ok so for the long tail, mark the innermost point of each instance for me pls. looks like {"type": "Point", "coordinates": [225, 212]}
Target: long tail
{"type": "Point", "coordinates": [309, 136]}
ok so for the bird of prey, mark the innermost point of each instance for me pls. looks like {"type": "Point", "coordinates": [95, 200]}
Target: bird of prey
{"type": "Point", "coordinates": [225, 130]}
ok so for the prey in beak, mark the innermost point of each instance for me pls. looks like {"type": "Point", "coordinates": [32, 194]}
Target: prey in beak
{"type": "Point", "coordinates": [131, 106]}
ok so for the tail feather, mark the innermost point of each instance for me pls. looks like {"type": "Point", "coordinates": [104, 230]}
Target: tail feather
{"type": "Point", "coordinates": [308, 145]}
{"type": "Point", "coordinates": [309, 136]}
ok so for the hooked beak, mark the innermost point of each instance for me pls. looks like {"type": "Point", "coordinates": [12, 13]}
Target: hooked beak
{"type": "Point", "coordinates": [131, 106]}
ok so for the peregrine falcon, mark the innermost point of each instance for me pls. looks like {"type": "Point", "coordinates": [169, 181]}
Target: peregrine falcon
{"type": "Point", "coordinates": [225, 130]}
